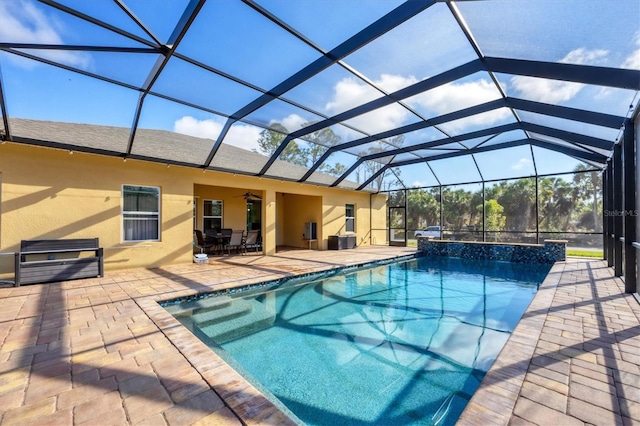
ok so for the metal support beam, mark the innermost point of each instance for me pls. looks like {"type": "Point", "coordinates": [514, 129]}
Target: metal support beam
{"type": "Point", "coordinates": [605, 228]}
{"type": "Point", "coordinates": [636, 143]}
{"type": "Point", "coordinates": [590, 117]}
{"type": "Point", "coordinates": [568, 136]}
{"type": "Point", "coordinates": [616, 212]}
{"type": "Point", "coordinates": [441, 212]}
{"type": "Point", "coordinates": [537, 212]}
{"type": "Point", "coordinates": [484, 207]}
{"type": "Point", "coordinates": [180, 30]}
{"type": "Point", "coordinates": [608, 216]}
{"type": "Point", "coordinates": [386, 23]}
{"type": "Point", "coordinates": [587, 74]}
{"type": "Point", "coordinates": [629, 208]}
{"type": "Point", "coordinates": [3, 110]}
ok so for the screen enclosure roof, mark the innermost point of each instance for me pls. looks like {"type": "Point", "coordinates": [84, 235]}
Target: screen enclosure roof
{"type": "Point", "coordinates": [367, 95]}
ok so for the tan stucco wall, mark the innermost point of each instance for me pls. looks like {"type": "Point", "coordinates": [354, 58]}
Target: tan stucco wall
{"type": "Point", "coordinates": [49, 193]}
{"type": "Point", "coordinates": [379, 214]}
{"type": "Point", "coordinates": [298, 210]}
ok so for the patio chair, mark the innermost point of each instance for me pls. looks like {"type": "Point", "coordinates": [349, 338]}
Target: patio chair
{"type": "Point", "coordinates": [200, 242]}
{"type": "Point", "coordinates": [236, 242]}
{"type": "Point", "coordinates": [226, 234]}
{"type": "Point", "coordinates": [214, 237]}
{"type": "Point", "coordinates": [252, 241]}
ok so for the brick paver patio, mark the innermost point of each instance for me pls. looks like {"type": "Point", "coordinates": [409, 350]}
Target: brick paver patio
{"type": "Point", "coordinates": [102, 351]}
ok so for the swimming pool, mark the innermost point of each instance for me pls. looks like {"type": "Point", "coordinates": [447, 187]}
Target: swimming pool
{"type": "Point", "coordinates": [405, 343]}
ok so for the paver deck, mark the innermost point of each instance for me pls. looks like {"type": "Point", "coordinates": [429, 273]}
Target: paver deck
{"type": "Point", "coordinates": [102, 351]}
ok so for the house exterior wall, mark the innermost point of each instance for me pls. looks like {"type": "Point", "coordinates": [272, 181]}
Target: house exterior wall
{"type": "Point", "coordinates": [52, 194]}
{"type": "Point", "coordinates": [298, 210]}
{"type": "Point", "coordinates": [379, 231]}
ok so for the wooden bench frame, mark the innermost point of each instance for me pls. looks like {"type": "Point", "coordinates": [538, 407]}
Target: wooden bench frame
{"type": "Point", "coordinates": [47, 267]}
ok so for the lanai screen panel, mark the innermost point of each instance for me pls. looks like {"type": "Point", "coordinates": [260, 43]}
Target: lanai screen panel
{"type": "Point", "coordinates": [386, 90]}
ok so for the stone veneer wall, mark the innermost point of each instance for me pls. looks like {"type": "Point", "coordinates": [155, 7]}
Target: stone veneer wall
{"type": "Point", "coordinates": [547, 253]}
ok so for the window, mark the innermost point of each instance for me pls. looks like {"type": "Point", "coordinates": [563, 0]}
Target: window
{"type": "Point", "coordinates": [140, 213]}
{"type": "Point", "coordinates": [350, 216]}
{"type": "Point", "coordinates": [212, 215]}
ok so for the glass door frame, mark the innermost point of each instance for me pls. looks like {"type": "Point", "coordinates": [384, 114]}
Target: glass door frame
{"type": "Point", "coordinates": [393, 241]}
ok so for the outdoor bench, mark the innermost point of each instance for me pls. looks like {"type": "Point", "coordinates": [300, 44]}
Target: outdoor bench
{"type": "Point", "coordinates": [41, 261]}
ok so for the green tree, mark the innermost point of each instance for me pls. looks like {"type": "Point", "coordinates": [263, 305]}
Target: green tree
{"type": "Point", "coordinates": [335, 170]}
{"type": "Point", "coordinates": [270, 139]}
{"type": "Point", "coordinates": [518, 197]}
{"type": "Point", "coordinates": [319, 142]}
{"type": "Point", "coordinates": [456, 208]}
{"type": "Point", "coordinates": [495, 220]}
{"type": "Point", "coordinates": [475, 216]}
{"type": "Point", "coordinates": [387, 179]}
{"type": "Point", "coordinates": [423, 209]}
{"type": "Point", "coordinates": [556, 199]}
{"type": "Point", "coordinates": [589, 185]}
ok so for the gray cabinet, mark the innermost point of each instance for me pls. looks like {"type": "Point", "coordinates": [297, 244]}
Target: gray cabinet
{"type": "Point", "coordinates": [341, 242]}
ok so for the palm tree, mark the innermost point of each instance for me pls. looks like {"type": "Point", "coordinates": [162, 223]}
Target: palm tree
{"type": "Point", "coordinates": [557, 200]}
{"type": "Point", "coordinates": [589, 185]}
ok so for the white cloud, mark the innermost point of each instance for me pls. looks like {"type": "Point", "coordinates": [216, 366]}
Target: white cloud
{"type": "Point", "coordinates": [521, 164]}
{"type": "Point", "coordinates": [243, 136]}
{"type": "Point", "coordinates": [392, 83]}
{"type": "Point", "coordinates": [555, 91]}
{"type": "Point", "coordinates": [455, 96]}
{"type": "Point", "coordinates": [583, 56]}
{"type": "Point", "coordinates": [292, 122]}
{"type": "Point", "coordinates": [349, 93]}
{"type": "Point", "coordinates": [381, 119]}
{"type": "Point", "coordinates": [187, 125]}
{"type": "Point", "coordinates": [23, 22]}
{"type": "Point", "coordinates": [633, 60]}
{"type": "Point", "coordinates": [550, 91]}
{"type": "Point", "coordinates": [240, 135]}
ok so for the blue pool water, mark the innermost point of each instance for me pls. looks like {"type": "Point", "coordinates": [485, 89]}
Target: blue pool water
{"type": "Point", "coordinates": [404, 343]}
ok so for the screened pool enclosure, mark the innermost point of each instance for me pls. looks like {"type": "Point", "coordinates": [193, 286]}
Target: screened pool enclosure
{"type": "Point", "coordinates": [497, 120]}
{"type": "Point", "coordinates": [523, 210]}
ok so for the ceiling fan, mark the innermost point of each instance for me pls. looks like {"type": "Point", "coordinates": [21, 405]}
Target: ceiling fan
{"type": "Point", "coordinates": [250, 196]}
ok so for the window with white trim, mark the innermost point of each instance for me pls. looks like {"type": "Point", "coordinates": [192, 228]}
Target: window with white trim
{"type": "Point", "coordinates": [140, 213]}
{"type": "Point", "coordinates": [350, 217]}
{"type": "Point", "coordinates": [212, 215]}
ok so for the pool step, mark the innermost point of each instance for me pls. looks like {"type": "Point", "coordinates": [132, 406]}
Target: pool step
{"type": "Point", "coordinates": [251, 321]}
{"type": "Point", "coordinates": [187, 309]}
{"type": "Point", "coordinates": [220, 313]}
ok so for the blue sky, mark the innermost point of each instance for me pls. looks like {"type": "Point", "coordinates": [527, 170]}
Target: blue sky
{"type": "Point", "coordinates": [233, 38]}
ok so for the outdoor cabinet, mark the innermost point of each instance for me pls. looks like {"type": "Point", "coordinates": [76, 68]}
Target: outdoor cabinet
{"type": "Point", "coordinates": [341, 242]}
{"type": "Point", "coordinates": [310, 231]}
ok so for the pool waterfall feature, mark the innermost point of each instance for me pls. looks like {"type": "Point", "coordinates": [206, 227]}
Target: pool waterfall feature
{"type": "Point", "coordinates": [547, 254]}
